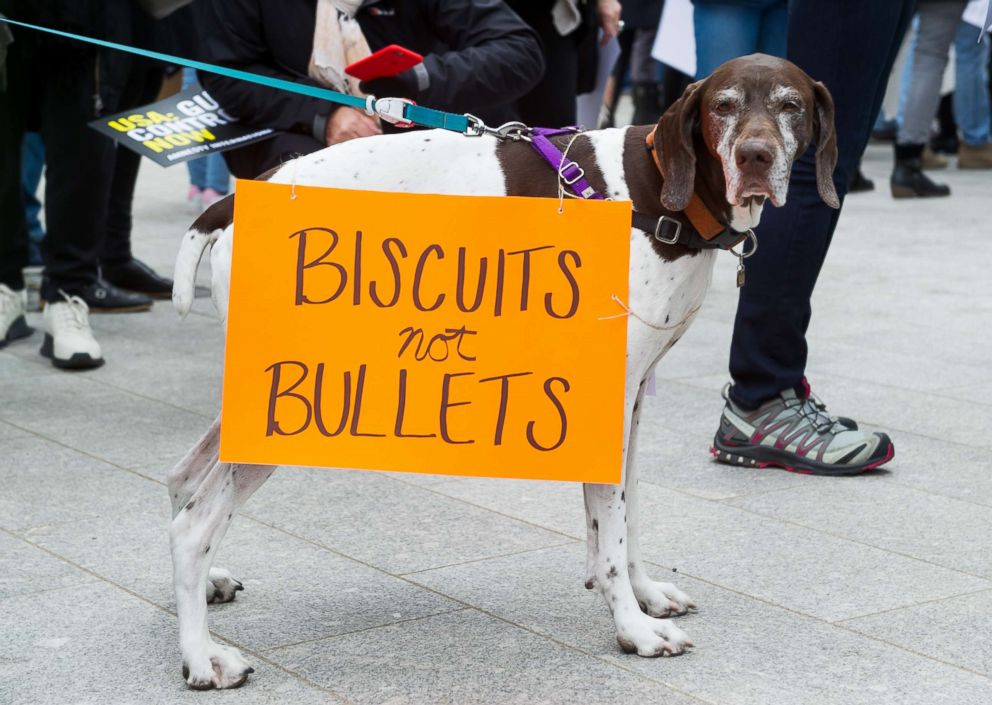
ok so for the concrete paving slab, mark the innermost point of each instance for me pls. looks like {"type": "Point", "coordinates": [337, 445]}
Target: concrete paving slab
{"type": "Point", "coordinates": [118, 427]}
{"type": "Point", "coordinates": [747, 652]}
{"type": "Point", "coordinates": [755, 555]}
{"type": "Point", "coordinates": [949, 469]}
{"type": "Point", "coordinates": [393, 526]}
{"type": "Point", "coordinates": [46, 484]}
{"type": "Point", "coordinates": [465, 658]}
{"type": "Point", "coordinates": [955, 630]}
{"type": "Point", "coordinates": [903, 520]}
{"type": "Point", "coordinates": [294, 591]}
{"type": "Point", "coordinates": [96, 645]}
{"type": "Point", "coordinates": [25, 569]}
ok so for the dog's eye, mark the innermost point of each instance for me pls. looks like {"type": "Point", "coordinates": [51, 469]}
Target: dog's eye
{"type": "Point", "coordinates": [791, 106]}
{"type": "Point", "coordinates": [724, 107]}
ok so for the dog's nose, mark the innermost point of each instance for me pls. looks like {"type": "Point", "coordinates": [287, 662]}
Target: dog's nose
{"type": "Point", "coordinates": [754, 154]}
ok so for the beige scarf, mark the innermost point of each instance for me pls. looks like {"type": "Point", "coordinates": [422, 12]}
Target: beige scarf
{"type": "Point", "coordinates": [337, 42]}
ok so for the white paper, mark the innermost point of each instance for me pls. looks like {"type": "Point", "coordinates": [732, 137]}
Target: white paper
{"type": "Point", "coordinates": [977, 14]}
{"type": "Point", "coordinates": [588, 105]}
{"type": "Point", "coordinates": [675, 43]}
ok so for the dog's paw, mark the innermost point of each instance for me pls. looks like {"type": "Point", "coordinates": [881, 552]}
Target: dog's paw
{"type": "Point", "coordinates": [647, 636]}
{"type": "Point", "coordinates": [221, 586]}
{"type": "Point", "coordinates": [218, 667]}
{"type": "Point", "coordinates": [661, 599]}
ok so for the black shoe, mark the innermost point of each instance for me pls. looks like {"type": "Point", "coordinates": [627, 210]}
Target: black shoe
{"type": "Point", "coordinates": [104, 297]}
{"type": "Point", "coordinates": [135, 275]}
{"type": "Point", "coordinates": [860, 182]}
{"type": "Point", "coordinates": [909, 181]}
{"type": "Point", "coordinates": [945, 144]}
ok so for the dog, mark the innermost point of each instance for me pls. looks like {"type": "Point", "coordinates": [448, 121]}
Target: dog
{"type": "Point", "coordinates": [729, 142]}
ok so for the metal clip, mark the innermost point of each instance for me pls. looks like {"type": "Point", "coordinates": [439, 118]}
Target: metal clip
{"type": "Point", "coordinates": [742, 255]}
{"type": "Point", "coordinates": [393, 110]}
{"type": "Point", "coordinates": [667, 241]}
{"type": "Point", "coordinates": [513, 131]}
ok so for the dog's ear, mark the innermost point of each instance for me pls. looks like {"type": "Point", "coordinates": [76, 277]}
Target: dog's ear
{"type": "Point", "coordinates": [673, 140]}
{"type": "Point", "coordinates": [826, 145]}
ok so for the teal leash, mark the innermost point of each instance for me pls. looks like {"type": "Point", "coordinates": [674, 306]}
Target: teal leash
{"type": "Point", "coordinates": [398, 111]}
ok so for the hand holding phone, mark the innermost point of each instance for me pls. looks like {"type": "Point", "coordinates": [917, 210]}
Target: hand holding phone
{"type": "Point", "coordinates": [388, 61]}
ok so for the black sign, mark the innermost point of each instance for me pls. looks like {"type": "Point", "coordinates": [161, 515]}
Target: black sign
{"type": "Point", "coordinates": [185, 126]}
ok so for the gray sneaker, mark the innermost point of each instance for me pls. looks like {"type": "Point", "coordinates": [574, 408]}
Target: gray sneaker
{"type": "Point", "coordinates": [797, 435]}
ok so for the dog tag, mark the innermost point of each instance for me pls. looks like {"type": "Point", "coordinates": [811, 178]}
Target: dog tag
{"type": "Point", "coordinates": [740, 273]}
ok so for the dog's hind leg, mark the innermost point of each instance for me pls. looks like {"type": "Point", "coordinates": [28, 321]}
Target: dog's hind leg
{"type": "Point", "coordinates": [183, 481]}
{"type": "Point", "coordinates": [196, 531]}
{"type": "Point", "coordinates": [606, 508]}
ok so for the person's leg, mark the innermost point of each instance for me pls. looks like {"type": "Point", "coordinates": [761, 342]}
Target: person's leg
{"type": "Point", "coordinates": [723, 32]}
{"type": "Point", "coordinates": [906, 79]}
{"type": "Point", "coordinates": [197, 167]}
{"type": "Point", "coordinates": [850, 46]}
{"type": "Point", "coordinates": [770, 417]}
{"type": "Point", "coordinates": [971, 97]}
{"type": "Point", "coordinates": [75, 207]}
{"type": "Point", "coordinates": [644, 76]}
{"type": "Point", "coordinates": [218, 177]}
{"type": "Point", "coordinates": [142, 87]}
{"type": "Point", "coordinates": [938, 23]}
{"type": "Point", "coordinates": [32, 168]}
{"type": "Point", "coordinates": [14, 99]}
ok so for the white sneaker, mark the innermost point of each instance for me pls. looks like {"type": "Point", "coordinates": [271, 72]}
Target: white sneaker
{"type": "Point", "coordinates": [12, 323]}
{"type": "Point", "coordinates": [69, 341]}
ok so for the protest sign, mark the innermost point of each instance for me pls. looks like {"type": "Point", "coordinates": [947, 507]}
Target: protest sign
{"type": "Point", "coordinates": [424, 333]}
{"type": "Point", "coordinates": [185, 126]}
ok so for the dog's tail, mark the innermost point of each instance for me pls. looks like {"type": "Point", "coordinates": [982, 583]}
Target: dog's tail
{"type": "Point", "coordinates": [202, 233]}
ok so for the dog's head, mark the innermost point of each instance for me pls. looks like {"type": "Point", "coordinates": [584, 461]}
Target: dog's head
{"type": "Point", "coordinates": [755, 115]}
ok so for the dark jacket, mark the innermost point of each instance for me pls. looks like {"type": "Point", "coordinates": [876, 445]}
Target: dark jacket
{"type": "Point", "coordinates": [479, 55]}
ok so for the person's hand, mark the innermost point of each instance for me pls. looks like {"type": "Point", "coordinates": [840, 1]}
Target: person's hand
{"type": "Point", "coordinates": [609, 18]}
{"type": "Point", "coordinates": [348, 123]}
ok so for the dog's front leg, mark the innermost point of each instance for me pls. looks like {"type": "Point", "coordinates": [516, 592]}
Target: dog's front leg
{"type": "Point", "coordinates": [196, 532]}
{"type": "Point", "coordinates": [606, 517]}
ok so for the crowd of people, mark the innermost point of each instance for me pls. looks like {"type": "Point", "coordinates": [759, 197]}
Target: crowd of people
{"type": "Point", "coordinates": [515, 60]}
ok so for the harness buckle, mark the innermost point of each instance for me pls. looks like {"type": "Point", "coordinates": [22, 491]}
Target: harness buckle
{"type": "Point", "coordinates": [569, 165]}
{"type": "Point", "coordinates": [674, 240]}
{"type": "Point", "coordinates": [392, 110]}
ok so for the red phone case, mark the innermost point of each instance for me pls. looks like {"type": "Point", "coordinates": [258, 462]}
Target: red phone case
{"type": "Point", "coordinates": [388, 61]}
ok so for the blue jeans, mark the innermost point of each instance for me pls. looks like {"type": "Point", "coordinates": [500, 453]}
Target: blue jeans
{"type": "Point", "coordinates": [850, 45]}
{"type": "Point", "coordinates": [725, 31]}
{"type": "Point", "coordinates": [210, 171]}
{"type": "Point", "coordinates": [32, 166]}
{"type": "Point", "coordinates": [971, 95]}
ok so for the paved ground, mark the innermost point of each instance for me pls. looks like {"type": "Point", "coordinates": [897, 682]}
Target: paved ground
{"type": "Point", "coordinates": [382, 588]}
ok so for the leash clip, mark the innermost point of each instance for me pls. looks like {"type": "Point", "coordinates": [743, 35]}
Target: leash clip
{"type": "Point", "coordinates": [392, 110]}
{"type": "Point", "coordinates": [674, 240]}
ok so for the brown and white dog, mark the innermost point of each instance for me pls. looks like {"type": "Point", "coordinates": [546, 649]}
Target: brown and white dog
{"type": "Point", "coordinates": [731, 140]}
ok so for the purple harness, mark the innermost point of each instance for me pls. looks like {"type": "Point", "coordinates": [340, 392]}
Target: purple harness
{"type": "Point", "coordinates": [571, 174]}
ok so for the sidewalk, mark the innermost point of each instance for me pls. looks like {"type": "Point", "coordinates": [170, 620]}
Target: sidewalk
{"type": "Point", "coordinates": [392, 589]}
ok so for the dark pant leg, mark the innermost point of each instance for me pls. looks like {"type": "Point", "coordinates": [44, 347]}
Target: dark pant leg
{"type": "Point", "coordinates": [142, 88]}
{"type": "Point", "coordinates": [255, 159]}
{"type": "Point", "coordinates": [13, 221]}
{"type": "Point", "coordinates": [78, 169]}
{"type": "Point", "coordinates": [850, 45]}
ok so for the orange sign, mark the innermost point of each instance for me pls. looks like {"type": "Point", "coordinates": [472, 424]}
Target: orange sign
{"type": "Point", "coordinates": [438, 334]}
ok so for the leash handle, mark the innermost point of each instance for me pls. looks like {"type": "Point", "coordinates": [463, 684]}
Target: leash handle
{"type": "Point", "coordinates": [389, 110]}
